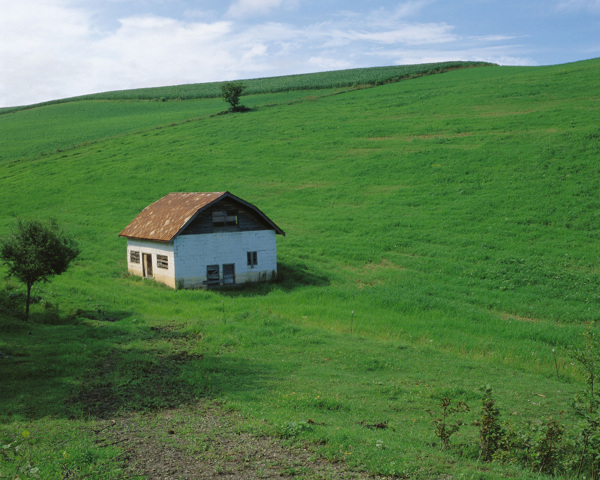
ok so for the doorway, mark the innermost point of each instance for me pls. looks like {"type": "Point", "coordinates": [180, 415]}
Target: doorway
{"type": "Point", "coordinates": [147, 264]}
{"type": "Point", "coordinates": [228, 274]}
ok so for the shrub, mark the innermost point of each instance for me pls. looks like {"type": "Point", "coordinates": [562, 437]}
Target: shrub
{"type": "Point", "coordinates": [444, 426]}
{"type": "Point", "coordinates": [491, 432]}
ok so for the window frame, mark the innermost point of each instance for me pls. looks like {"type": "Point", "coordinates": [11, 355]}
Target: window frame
{"type": "Point", "coordinates": [134, 256]}
{"type": "Point", "coordinates": [225, 218]}
{"type": "Point", "coordinates": [162, 261]}
{"type": "Point", "coordinates": [252, 258]}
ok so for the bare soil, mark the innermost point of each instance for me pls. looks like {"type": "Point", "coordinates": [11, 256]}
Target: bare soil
{"type": "Point", "coordinates": [204, 442]}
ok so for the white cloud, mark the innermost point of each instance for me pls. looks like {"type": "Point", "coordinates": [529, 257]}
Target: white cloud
{"type": "Point", "coordinates": [497, 55]}
{"type": "Point", "coordinates": [322, 63]}
{"type": "Point", "coordinates": [493, 38]}
{"type": "Point", "coordinates": [42, 41]}
{"type": "Point", "coordinates": [580, 5]}
{"type": "Point", "coordinates": [55, 50]}
{"type": "Point", "coordinates": [384, 17]}
{"type": "Point", "coordinates": [409, 34]}
{"type": "Point", "coordinates": [247, 8]}
{"type": "Point", "coordinates": [156, 51]}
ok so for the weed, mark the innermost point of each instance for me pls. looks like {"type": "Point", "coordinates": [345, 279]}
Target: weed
{"type": "Point", "coordinates": [444, 420]}
{"type": "Point", "coordinates": [293, 429]}
{"type": "Point", "coordinates": [586, 405]}
{"type": "Point", "coordinates": [546, 449]}
{"type": "Point", "coordinates": [16, 454]}
{"type": "Point", "coordinates": [588, 358]}
{"type": "Point", "coordinates": [491, 432]}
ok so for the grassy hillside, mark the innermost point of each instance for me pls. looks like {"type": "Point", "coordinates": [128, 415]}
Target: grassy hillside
{"type": "Point", "coordinates": [357, 77]}
{"type": "Point", "coordinates": [456, 215]}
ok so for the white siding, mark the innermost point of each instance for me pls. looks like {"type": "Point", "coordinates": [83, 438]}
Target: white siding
{"type": "Point", "coordinates": [192, 254]}
{"type": "Point", "coordinates": [166, 276]}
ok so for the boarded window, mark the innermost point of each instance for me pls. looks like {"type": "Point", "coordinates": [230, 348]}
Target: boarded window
{"type": "Point", "coordinates": [252, 258]}
{"type": "Point", "coordinates": [162, 261]}
{"type": "Point", "coordinates": [212, 275]}
{"type": "Point", "coordinates": [225, 218]}
{"type": "Point", "coordinates": [134, 257]}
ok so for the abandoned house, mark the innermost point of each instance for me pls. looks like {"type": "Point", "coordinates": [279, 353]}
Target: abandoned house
{"type": "Point", "coordinates": [201, 240]}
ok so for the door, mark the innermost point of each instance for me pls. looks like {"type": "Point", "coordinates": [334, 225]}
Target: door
{"type": "Point", "coordinates": [228, 274]}
{"type": "Point", "coordinates": [147, 263]}
{"type": "Point", "coordinates": [212, 275]}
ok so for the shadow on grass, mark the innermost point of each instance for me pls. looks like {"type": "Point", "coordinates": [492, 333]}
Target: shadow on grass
{"type": "Point", "coordinates": [148, 380]}
{"type": "Point", "coordinates": [12, 304]}
{"type": "Point", "coordinates": [93, 368]}
{"type": "Point", "coordinates": [289, 277]}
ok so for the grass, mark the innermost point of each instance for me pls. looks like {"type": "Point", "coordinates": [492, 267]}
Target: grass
{"type": "Point", "coordinates": [456, 215]}
{"type": "Point", "coordinates": [357, 77]}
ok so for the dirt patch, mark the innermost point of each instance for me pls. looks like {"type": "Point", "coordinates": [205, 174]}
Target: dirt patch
{"type": "Point", "coordinates": [204, 442]}
{"type": "Point", "coordinates": [509, 316]}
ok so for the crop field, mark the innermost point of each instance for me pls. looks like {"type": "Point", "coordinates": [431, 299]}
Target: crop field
{"type": "Point", "coordinates": [357, 77]}
{"type": "Point", "coordinates": [441, 236]}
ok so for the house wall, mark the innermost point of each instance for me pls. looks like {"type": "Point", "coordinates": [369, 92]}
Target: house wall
{"type": "Point", "coordinates": [166, 276]}
{"type": "Point", "coordinates": [193, 253]}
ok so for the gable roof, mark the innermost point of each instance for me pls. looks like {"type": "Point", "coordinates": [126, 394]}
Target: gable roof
{"type": "Point", "coordinates": [164, 219]}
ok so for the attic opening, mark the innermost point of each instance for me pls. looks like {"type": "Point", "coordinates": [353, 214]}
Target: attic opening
{"type": "Point", "coordinates": [225, 218]}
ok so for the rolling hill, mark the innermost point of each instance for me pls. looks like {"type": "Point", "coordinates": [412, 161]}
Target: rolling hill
{"type": "Point", "coordinates": [452, 218]}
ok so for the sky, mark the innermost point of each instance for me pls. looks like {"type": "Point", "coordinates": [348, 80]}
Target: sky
{"type": "Point", "coordinates": [52, 49]}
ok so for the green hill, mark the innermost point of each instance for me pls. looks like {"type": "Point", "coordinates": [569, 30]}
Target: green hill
{"type": "Point", "coordinates": [456, 215]}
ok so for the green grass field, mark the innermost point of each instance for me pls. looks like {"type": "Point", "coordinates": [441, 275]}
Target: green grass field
{"type": "Point", "coordinates": [456, 215]}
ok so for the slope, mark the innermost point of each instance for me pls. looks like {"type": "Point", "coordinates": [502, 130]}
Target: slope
{"type": "Point", "coordinates": [463, 202]}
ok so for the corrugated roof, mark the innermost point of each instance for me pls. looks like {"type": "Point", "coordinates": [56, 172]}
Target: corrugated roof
{"type": "Point", "coordinates": [165, 218]}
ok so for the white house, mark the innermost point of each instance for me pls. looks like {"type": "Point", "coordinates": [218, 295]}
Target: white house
{"type": "Point", "coordinates": [201, 240]}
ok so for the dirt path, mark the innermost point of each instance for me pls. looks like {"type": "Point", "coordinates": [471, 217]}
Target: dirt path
{"type": "Point", "coordinates": [203, 442]}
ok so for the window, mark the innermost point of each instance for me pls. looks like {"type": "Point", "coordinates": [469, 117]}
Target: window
{"type": "Point", "coordinates": [224, 218]}
{"type": "Point", "coordinates": [252, 258]}
{"type": "Point", "coordinates": [212, 275]}
{"type": "Point", "coordinates": [162, 261]}
{"type": "Point", "coordinates": [134, 257]}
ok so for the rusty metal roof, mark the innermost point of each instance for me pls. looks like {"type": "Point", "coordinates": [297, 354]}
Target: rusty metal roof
{"type": "Point", "coordinates": [164, 219]}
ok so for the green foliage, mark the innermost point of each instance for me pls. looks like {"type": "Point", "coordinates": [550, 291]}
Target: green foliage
{"type": "Point", "coordinates": [293, 429]}
{"type": "Point", "coordinates": [546, 450]}
{"type": "Point", "coordinates": [37, 251]}
{"type": "Point", "coordinates": [490, 428]}
{"type": "Point", "coordinates": [588, 358]}
{"type": "Point", "coordinates": [587, 444]}
{"type": "Point", "coordinates": [444, 420]}
{"type": "Point", "coordinates": [231, 93]}
{"type": "Point", "coordinates": [586, 405]}
{"type": "Point", "coordinates": [539, 446]}
{"type": "Point", "coordinates": [16, 454]}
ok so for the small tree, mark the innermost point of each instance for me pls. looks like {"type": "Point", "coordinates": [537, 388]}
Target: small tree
{"type": "Point", "coordinates": [35, 252]}
{"type": "Point", "coordinates": [231, 93]}
{"type": "Point", "coordinates": [491, 432]}
{"type": "Point", "coordinates": [444, 426]}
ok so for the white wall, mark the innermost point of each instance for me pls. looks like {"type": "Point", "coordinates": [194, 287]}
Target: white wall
{"type": "Point", "coordinates": [192, 253]}
{"type": "Point", "coordinates": [154, 248]}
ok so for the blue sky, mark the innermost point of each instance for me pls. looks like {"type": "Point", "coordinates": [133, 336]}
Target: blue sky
{"type": "Point", "coordinates": [52, 49]}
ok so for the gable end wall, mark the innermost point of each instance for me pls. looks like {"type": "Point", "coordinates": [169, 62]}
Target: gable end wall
{"type": "Point", "coordinates": [166, 276]}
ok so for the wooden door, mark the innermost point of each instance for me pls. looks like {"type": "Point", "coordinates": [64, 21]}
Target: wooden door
{"type": "Point", "coordinates": [228, 274]}
{"type": "Point", "coordinates": [147, 263]}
